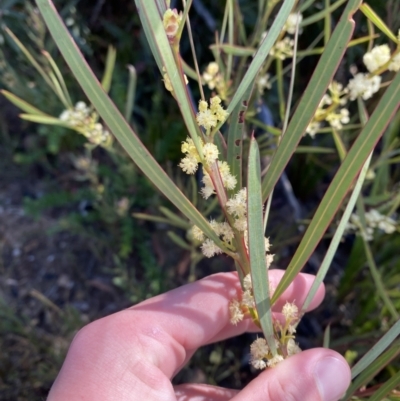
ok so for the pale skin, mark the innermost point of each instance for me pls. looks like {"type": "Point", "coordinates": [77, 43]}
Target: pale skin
{"type": "Point", "coordinates": [134, 354]}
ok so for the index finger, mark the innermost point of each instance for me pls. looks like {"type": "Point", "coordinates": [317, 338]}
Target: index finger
{"type": "Point", "coordinates": [151, 341]}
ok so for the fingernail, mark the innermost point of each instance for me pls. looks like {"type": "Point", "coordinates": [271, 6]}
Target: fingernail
{"type": "Point", "coordinates": [332, 377]}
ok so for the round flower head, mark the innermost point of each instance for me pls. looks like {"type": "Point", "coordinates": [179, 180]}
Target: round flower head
{"type": "Point", "coordinates": [209, 248]}
{"type": "Point", "coordinates": [275, 360]}
{"type": "Point", "coordinates": [259, 348]}
{"type": "Point", "coordinates": [395, 63]}
{"type": "Point", "coordinates": [188, 164]}
{"type": "Point", "coordinates": [258, 364]}
{"type": "Point", "coordinates": [293, 20]}
{"type": "Point", "coordinates": [197, 233]}
{"type": "Point", "coordinates": [206, 119]}
{"type": "Point", "coordinates": [377, 57]}
{"type": "Point", "coordinates": [290, 311]}
{"type": "Point", "coordinates": [248, 300]}
{"type": "Point", "coordinates": [235, 311]}
{"type": "Point", "coordinates": [247, 285]}
{"type": "Point", "coordinates": [364, 86]}
{"type": "Point", "coordinates": [292, 348]}
{"type": "Point", "coordinates": [209, 117]}
{"type": "Point", "coordinates": [210, 153]}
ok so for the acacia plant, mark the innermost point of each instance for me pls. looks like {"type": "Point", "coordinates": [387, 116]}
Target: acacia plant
{"type": "Point", "coordinates": [221, 146]}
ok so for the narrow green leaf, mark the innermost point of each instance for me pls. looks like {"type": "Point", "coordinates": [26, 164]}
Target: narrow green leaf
{"type": "Point", "coordinates": [373, 369]}
{"type": "Point", "coordinates": [60, 79]}
{"type": "Point", "coordinates": [318, 16]}
{"type": "Point", "coordinates": [155, 33]}
{"type": "Point", "coordinates": [48, 120]}
{"type": "Point", "coordinates": [352, 43]}
{"type": "Point", "coordinates": [343, 181]}
{"type": "Point", "coordinates": [382, 179]}
{"type": "Point", "coordinates": [114, 120]}
{"type": "Point", "coordinates": [268, 128]}
{"type": "Point", "coordinates": [22, 104]}
{"type": "Point", "coordinates": [386, 388]}
{"type": "Point", "coordinates": [327, 336]}
{"type": "Point", "coordinates": [308, 104]}
{"type": "Point", "coordinates": [174, 217]}
{"type": "Point", "coordinates": [109, 70]}
{"type": "Point", "coordinates": [376, 350]}
{"type": "Point", "coordinates": [233, 50]}
{"type": "Point", "coordinates": [235, 138]}
{"type": "Point", "coordinates": [179, 241]}
{"type": "Point", "coordinates": [161, 6]}
{"type": "Point", "coordinates": [189, 71]}
{"type": "Point", "coordinates": [337, 236]}
{"type": "Point", "coordinates": [340, 146]}
{"type": "Point", "coordinates": [150, 39]}
{"type": "Point", "coordinates": [377, 21]}
{"type": "Point", "coordinates": [58, 90]}
{"type": "Point", "coordinates": [259, 272]}
{"type": "Point", "coordinates": [327, 22]}
{"type": "Point", "coordinates": [306, 4]}
{"type": "Point", "coordinates": [262, 53]}
{"type": "Point", "coordinates": [30, 58]}
{"type": "Point", "coordinates": [131, 92]}
{"type": "Point", "coordinates": [313, 149]}
{"type": "Point", "coordinates": [376, 276]}
{"type": "Point", "coordinates": [156, 219]}
{"type": "Point", "coordinates": [342, 224]}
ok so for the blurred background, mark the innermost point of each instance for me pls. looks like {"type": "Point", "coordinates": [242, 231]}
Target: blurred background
{"type": "Point", "coordinates": [76, 242]}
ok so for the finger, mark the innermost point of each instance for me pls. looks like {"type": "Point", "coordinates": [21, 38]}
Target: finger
{"type": "Point", "coordinates": [141, 348]}
{"type": "Point", "coordinates": [314, 375]}
{"type": "Point", "coordinates": [203, 392]}
{"type": "Point", "coordinates": [198, 314]}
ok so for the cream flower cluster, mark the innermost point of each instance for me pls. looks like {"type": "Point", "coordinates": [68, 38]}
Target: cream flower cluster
{"type": "Point", "coordinates": [85, 121]}
{"type": "Point", "coordinates": [374, 220]}
{"type": "Point", "coordinates": [263, 82]}
{"type": "Point", "coordinates": [223, 230]}
{"type": "Point", "coordinates": [293, 20]}
{"type": "Point", "coordinates": [378, 60]}
{"type": "Point", "coordinates": [208, 153]}
{"type": "Point", "coordinates": [208, 117]}
{"type": "Point", "coordinates": [208, 247]}
{"type": "Point", "coordinates": [283, 48]}
{"type": "Point", "coordinates": [261, 355]}
{"type": "Point", "coordinates": [228, 180]}
{"type": "Point", "coordinates": [237, 207]}
{"type": "Point", "coordinates": [215, 80]}
{"type": "Point", "coordinates": [238, 308]}
{"type": "Point", "coordinates": [189, 164]}
{"type": "Point", "coordinates": [379, 56]}
{"type": "Point", "coordinates": [330, 109]}
{"type": "Point", "coordinates": [363, 85]}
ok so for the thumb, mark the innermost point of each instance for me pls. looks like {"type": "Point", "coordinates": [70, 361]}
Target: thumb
{"type": "Point", "coordinates": [314, 375]}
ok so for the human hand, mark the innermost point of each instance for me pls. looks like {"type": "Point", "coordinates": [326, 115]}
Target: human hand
{"type": "Point", "coordinates": [134, 354]}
